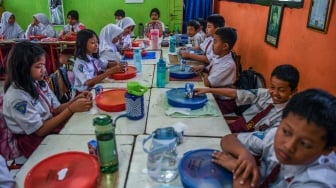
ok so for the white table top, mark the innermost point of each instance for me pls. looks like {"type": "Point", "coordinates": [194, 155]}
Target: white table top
{"type": "Point", "coordinates": [137, 176]}
{"type": "Point", "coordinates": [197, 126]}
{"type": "Point", "coordinates": [81, 122]}
{"type": "Point", "coordinates": [145, 78]}
{"type": "Point", "coordinates": [54, 144]}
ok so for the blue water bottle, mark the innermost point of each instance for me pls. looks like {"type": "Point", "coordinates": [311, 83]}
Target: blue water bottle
{"type": "Point", "coordinates": [172, 44]}
{"type": "Point", "coordinates": [137, 60]}
{"type": "Point", "coordinates": [161, 73]}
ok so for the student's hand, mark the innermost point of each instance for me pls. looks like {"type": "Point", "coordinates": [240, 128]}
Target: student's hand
{"type": "Point", "coordinates": [224, 159]}
{"type": "Point", "coordinates": [115, 69]}
{"type": "Point", "coordinates": [199, 91]}
{"type": "Point", "coordinates": [84, 94]}
{"type": "Point", "coordinates": [81, 105]}
{"type": "Point", "coordinates": [184, 54]}
{"type": "Point", "coordinates": [247, 168]}
{"type": "Point", "coordinates": [197, 68]}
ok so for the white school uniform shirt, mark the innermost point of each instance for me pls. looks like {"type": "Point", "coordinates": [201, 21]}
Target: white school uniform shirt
{"type": "Point", "coordinates": [203, 35]}
{"type": "Point", "coordinates": [259, 100]}
{"type": "Point", "coordinates": [76, 27]}
{"type": "Point", "coordinates": [43, 28]}
{"type": "Point", "coordinates": [107, 50]}
{"type": "Point", "coordinates": [84, 71]}
{"type": "Point", "coordinates": [10, 31]}
{"type": "Point", "coordinates": [197, 40]}
{"type": "Point", "coordinates": [320, 173]}
{"type": "Point", "coordinates": [206, 47]}
{"type": "Point", "coordinates": [24, 114]}
{"type": "Point", "coordinates": [222, 71]}
{"type": "Point", "coordinates": [6, 179]}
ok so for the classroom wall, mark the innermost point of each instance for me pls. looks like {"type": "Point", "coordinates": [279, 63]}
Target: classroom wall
{"type": "Point", "coordinates": [94, 14]}
{"type": "Point", "coordinates": [312, 52]}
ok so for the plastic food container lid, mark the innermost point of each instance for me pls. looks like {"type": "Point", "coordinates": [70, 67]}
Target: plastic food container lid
{"type": "Point", "coordinates": [128, 74]}
{"type": "Point", "coordinates": [111, 100]}
{"type": "Point", "coordinates": [175, 72]}
{"type": "Point", "coordinates": [176, 98]}
{"type": "Point", "coordinates": [197, 170]}
{"type": "Point", "coordinates": [82, 171]}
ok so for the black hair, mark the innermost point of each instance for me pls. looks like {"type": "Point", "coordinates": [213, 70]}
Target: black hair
{"type": "Point", "coordinates": [217, 20]}
{"type": "Point", "coordinates": [81, 40]}
{"type": "Point", "coordinates": [73, 14]}
{"type": "Point", "coordinates": [318, 107]}
{"type": "Point", "coordinates": [156, 10]}
{"type": "Point", "coordinates": [120, 12]}
{"type": "Point", "coordinates": [20, 60]}
{"type": "Point", "coordinates": [227, 35]}
{"type": "Point", "coordinates": [288, 73]}
{"type": "Point", "coordinates": [194, 23]}
{"type": "Point", "coordinates": [202, 22]}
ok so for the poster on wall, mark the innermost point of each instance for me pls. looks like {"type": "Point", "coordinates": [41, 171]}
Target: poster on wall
{"type": "Point", "coordinates": [56, 12]}
{"type": "Point", "coordinates": [274, 24]}
{"type": "Point", "coordinates": [288, 3]}
{"type": "Point", "coordinates": [134, 1]}
{"type": "Point", "coordinates": [319, 14]}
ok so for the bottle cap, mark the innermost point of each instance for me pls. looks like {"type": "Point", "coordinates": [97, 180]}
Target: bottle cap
{"type": "Point", "coordinates": [102, 120]}
{"type": "Point", "coordinates": [135, 88]}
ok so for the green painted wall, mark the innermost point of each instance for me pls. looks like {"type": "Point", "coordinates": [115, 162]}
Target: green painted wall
{"type": "Point", "coordinates": [97, 13]}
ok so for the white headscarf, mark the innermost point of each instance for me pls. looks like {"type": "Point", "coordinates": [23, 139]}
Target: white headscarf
{"type": "Point", "coordinates": [10, 31]}
{"type": "Point", "coordinates": [42, 18]}
{"type": "Point", "coordinates": [107, 34]}
{"type": "Point", "coordinates": [126, 22]}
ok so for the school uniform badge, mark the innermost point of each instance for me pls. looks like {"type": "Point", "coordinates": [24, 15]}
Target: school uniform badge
{"type": "Point", "coordinates": [81, 67]}
{"type": "Point", "coordinates": [21, 107]}
{"type": "Point", "coordinates": [259, 134]}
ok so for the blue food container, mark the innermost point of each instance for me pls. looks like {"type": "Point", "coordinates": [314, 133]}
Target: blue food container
{"type": "Point", "coordinates": [197, 170]}
{"type": "Point", "coordinates": [177, 98]}
{"type": "Point", "coordinates": [176, 72]}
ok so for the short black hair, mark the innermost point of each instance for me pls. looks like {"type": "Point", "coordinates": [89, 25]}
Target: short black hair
{"type": "Point", "coordinates": [202, 22]}
{"type": "Point", "coordinates": [156, 10]}
{"type": "Point", "coordinates": [81, 40]}
{"type": "Point", "coordinates": [227, 35]}
{"type": "Point", "coordinates": [74, 14]}
{"type": "Point", "coordinates": [288, 73]}
{"type": "Point", "coordinates": [316, 106]}
{"type": "Point", "coordinates": [120, 12]}
{"type": "Point", "coordinates": [194, 23]}
{"type": "Point", "coordinates": [20, 60]}
{"type": "Point", "coordinates": [217, 20]}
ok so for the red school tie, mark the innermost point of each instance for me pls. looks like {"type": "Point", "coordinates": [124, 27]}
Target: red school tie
{"type": "Point", "coordinates": [271, 177]}
{"type": "Point", "coordinates": [250, 124]}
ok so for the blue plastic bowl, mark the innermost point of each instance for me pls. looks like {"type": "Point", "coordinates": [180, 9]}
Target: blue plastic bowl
{"type": "Point", "coordinates": [176, 98]}
{"type": "Point", "coordinates": [175, 72]}
{"type": "Point", "coordinates": [197, 170]}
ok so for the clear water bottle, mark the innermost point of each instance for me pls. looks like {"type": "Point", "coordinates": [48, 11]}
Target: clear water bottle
{"type": "Point", "coordinates": [137, 60]}
{"type": "Point", "coordinates": [161, 73]}
{"type": "Point", "coordinates": [106, 143]}
{"type": "Point", "coordinates": [172, 44]}
{"type": "Point", "coordinates": [162, 156]}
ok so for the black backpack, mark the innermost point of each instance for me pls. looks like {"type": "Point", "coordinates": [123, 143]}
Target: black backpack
{"type": "Point", "coordinates": [60, 83]}
{"type": "Point", "coordinates": [248, 79]}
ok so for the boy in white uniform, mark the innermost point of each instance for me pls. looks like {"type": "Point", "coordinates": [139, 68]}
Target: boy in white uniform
{"type": "Point", "coordinates": [291, 155]}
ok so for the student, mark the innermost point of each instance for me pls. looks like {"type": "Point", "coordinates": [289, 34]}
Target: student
{"type": "Point", "coordinates": [6, 179]}
{"type": "Point", "coordinates": [155, 23]}
{"type": "Point", "coordinates": [214, 22]}
{"type": "Point", "coordinates": [202, 28]}
{"type": "Point", "coordinates": [109, 37]}
{"type": "Point", "coordinates": [266, 104]}
{"type": "Point", "coordinates": [88, 68]}
{"type": "Point", "coordinates": [291, 155]}
{"type": "Point", "coordinates": [193, 28]}
{"type": "Point", "coordinates": [40, 26]}
{"type": "Point", "coordinates": [118, 15]}
{"type": "Point", "coordinates": [73, 26]}
{"type": "Point", "coordinates": [32, 109]}
{"type": "Point", "coordinates": [9, 28]}
{"type": "Point", "coordinates": [128, 25]}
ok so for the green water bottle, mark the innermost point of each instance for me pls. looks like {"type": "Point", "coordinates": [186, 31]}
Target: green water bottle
{"type": "Point", "coordinates": [106, 143]}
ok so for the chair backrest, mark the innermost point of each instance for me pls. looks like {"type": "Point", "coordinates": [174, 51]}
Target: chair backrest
{"type": "Point", "coordinates": [8, 147]}
{"type": "Point", "coordinates": [61, 85]}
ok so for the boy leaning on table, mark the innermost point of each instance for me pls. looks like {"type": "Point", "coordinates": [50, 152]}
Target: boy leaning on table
{"type": "Point", "coordinates": [266, 104]}
{"type": "Point", "coordinates": [298, 153]}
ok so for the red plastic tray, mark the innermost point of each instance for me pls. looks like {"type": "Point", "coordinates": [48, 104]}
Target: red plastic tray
{"type": "Point", "coordinates": [83, 171]}
{"type": "Point", "coordinates": [111, 100]}
{"type": "Point", "coordinates": [130, 73]}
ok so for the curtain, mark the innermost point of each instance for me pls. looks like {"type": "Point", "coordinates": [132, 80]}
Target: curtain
{"type": "Point", "coordinates": [194, 9]}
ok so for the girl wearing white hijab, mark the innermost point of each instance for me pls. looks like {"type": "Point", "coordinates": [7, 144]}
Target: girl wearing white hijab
{"type": "Point", "coordinates": [9, 28]}
{"type": "Point", "coordinates": [128, 25]}
{"type": "Point", "coordinates": [40, 26]}
{"type": "Point", "coordinates": [109, 37]}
